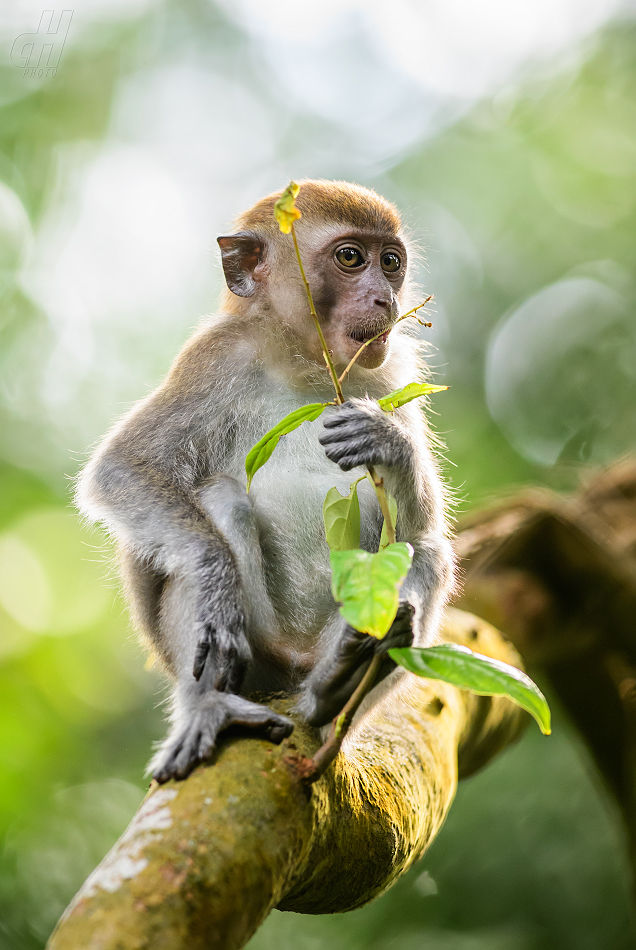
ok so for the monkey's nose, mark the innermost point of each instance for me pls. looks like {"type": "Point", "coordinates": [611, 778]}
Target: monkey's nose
{"type": "Point", "coordinates": [383, 303]}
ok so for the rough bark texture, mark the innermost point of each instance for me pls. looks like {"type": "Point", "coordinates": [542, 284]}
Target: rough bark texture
{"type": "Point", "coordinates": [204, 861]}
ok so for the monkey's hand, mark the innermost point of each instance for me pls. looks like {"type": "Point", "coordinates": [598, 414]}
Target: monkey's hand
{"type": "Point", "coordinates": [214, 713]}
{"type": "Point", "coordinates": [333, 687]}
{"type": "Point", "coordinates": [360, 433]}
{"type": "Point", "coordinates": [222, 655]}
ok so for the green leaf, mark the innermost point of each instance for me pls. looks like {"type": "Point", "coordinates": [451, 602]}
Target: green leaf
{"type": "Point", "coordinates": [462, 667]}
{"type": "Point", "coordinates": [341, 514]}
{"type": "Point", "coordinates": [412, 391]}
{"type": "Point", "coordinates": [368, 585]}
{"type": "Point", "coordinates": [259, 454]}
{"type": "Point", "coordinates": [393, 512]}
{"type": "Point", "coordinates": [285, 210]}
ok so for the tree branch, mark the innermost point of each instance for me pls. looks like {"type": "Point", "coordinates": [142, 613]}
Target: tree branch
{"type": "Point", "coordinates": [558, 575]}
{"type": "Point", "coordinates": [205, 860]}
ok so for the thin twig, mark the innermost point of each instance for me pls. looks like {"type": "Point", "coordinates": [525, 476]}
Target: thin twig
{"type": "Point", "coordinates": [378, 486]}
{"type": "Point", "coordinates": [367, 343]}
{"type": "Point", "coordinates": [340, 725]}
{"type": "Point", "coordinates": [332, 370]}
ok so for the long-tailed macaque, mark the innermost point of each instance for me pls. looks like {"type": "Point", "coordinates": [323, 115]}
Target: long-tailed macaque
{"type": "Point", "coordinates": [231, 590]}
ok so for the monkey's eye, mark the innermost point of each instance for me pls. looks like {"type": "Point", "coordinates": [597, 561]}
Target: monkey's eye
{"type": "Point", "coordinates": [349, 257]}
{"type": "Point", "coordinates": [390, 262]}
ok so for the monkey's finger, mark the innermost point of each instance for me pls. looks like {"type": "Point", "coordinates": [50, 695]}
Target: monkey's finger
{"type": "Point", "coordinates": [349, 438]}
{"type": "Point", "coordinates": [207, 743]}
{"type": "Point", "coordinates": [341, 413]}
{"type": "Point", "coordinates": [201, 652]}
{"type": "Point", "coordinates": [354, 422]}
{"type": "Point", "coordinates": [404, 615]}
{"type": "Point", "coordinates": [401, 632]}
{"type": "Point", "coordinates": [231, 666]}
{"type": "Point", "coordinates": [188, 756]}
{"type": "Point", "coordinates": [354, 442]}
{"type": "Point", "coordinates": [402, 637]}
{"type": "Point", "coordinates": [347, 462]}
{"type": "Point", "coordinates": [341, 446]}
{"type": "Point", "coordinates": [237, 669]}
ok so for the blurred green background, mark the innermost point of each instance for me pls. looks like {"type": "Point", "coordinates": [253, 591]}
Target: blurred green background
{"type": "Point", "coordinates": [507, 135]}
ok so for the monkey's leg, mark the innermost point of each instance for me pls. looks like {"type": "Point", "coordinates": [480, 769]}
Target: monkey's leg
{"type": "Point", "coordinates": [230, 509]}
{"type": "Point", "coordinates": [205, 700]}
{"type": "Point", "coordinates": [333, 680]}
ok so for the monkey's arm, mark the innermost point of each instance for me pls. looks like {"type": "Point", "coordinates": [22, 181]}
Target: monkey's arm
{"type": "Point", "coordinates": [199, 624]}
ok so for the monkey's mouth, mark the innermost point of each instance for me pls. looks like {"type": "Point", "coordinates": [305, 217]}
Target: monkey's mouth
{"type": "Point", "coordinates": [363, 336]}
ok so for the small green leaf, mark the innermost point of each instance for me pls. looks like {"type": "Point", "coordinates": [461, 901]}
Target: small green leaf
{"type": "Point", "coordinates": [341, 514]}
{"type": "Point", "coordinates": [393, 512]}
{"type": "Point", "coordinates": [285, 210]}
{"type": "Point", "coordinates": [367, 585]}
{"type": "Point", "coordinates": [259, 454]}
{"type": "Point", "coordinates": [462, 667]}
{"type": "Point", "coordinates": [412, 391]}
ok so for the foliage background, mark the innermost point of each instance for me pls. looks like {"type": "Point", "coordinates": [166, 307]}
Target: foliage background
{"type": "Point", "coordinates": [507, 134]}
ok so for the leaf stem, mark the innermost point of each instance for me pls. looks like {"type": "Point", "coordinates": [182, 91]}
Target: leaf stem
{"type": "Point", "coordinates": [332, 370]}
{"type": "Point", "coordinates": [409, 313]}
{"type": "Point", "coordinates": [340, 725]}
{"type": "Point", "coordinates": [383, 501]}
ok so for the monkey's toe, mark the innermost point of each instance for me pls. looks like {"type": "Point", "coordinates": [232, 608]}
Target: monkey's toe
{"type": "Point", "coordinates": [280, 731]}
{"type": "Point", "coordinates": [262, 721]}
{"type": "Point", "coordinates": [178, 757]}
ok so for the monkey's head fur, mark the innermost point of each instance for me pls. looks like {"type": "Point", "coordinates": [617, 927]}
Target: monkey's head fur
{"type": "Point", "coordinates": [355, 255]}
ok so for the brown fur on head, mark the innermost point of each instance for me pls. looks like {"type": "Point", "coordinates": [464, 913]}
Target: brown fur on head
{"type": "Point", "coordinates": [354, 302]}
{"type": "Point", "coordinates": [340, 202]}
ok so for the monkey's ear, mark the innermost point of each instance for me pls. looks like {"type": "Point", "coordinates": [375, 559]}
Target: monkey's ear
{"type": "Point", "coordinates": [240, 253]}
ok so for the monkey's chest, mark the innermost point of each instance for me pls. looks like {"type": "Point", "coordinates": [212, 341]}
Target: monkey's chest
{"type": "Point", "coordinates": [288, 495]}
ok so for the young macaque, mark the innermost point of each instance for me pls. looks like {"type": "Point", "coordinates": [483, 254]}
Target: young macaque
{"type": "Point", "coordinates": [230, 590]}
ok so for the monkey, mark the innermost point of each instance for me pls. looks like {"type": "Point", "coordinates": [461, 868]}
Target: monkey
{"type": "Point", "coordinates": [230, 590]}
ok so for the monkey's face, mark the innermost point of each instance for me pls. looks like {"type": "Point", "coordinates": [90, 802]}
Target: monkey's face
{"type": "Point", "coordinates": [356, 279]}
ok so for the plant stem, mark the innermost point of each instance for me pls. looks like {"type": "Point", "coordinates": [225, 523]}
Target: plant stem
{"type": "Point", "coordinates": [340, 725]}
{"type": "Point", "coordinates": [332, 370]}
{"type": "Point", "coordinates": [383, 501]}
{"type": "Point", "coordinates": [409, 313]}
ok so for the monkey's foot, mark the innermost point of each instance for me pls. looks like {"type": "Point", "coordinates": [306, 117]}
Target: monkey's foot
{"type": "Point", "coordinates": [187, 746]}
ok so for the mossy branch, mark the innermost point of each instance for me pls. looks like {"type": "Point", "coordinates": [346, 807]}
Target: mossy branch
{"type": "Point", "coordinates": [205, 860]}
